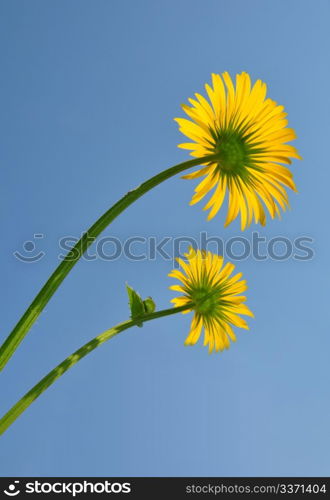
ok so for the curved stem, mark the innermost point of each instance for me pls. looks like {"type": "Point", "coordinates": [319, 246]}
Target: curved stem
{"type": "Point", "coordinates": [71, 360]}
{"type": "Point", "coordinates": [31, 314]}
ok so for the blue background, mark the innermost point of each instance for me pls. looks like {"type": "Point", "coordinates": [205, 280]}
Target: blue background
{"type": "Point", "coordinates": [89, 90]}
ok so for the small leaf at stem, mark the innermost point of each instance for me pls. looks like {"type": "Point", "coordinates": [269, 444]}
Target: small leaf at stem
{"type": "Point", "coordinates": [136, 304]}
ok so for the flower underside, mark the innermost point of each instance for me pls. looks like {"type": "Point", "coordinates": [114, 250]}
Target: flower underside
{"type": "Point", "coordinates": [248, 133]}
{"type": "Point", "coordinates": [214, 298]}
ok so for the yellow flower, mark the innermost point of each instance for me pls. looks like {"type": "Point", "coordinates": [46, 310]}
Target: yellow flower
{"type": "Point", "coordinates": [214, 298]}
{"type": "Point", "coordinates": [249, 133]}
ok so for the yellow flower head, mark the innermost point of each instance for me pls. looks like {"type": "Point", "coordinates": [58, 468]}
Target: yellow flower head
{"type": "Point", "coordinates": [249, 134]}
{"type": "Point", "coordinates": [214, 298]}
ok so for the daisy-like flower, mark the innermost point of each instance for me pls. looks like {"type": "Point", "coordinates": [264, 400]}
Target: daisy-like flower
{"type": "Point", "coordinates": [214, 296]}
{"type": "Point", "coordinates": [249, 134]}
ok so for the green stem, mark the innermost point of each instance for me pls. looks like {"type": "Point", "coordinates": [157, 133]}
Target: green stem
{"type": "Point", "coordinates": [34, 310]}
{"type": "Point", "coordinates": [71, 360]}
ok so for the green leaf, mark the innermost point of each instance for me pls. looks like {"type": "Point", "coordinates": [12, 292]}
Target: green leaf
{"type": "Point", "coordinates": [149, 305]}
{"type": "Point", "coordinates": [136, 304]}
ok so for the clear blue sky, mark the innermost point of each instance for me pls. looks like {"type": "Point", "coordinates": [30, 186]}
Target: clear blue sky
{"type": "Point", "coordinates": [89, 90]}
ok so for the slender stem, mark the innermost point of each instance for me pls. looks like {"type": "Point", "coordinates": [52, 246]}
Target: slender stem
{"type": "Point", "coordinates": [71, 360]}
{"type": "Point", "coordinates": [34, 310]}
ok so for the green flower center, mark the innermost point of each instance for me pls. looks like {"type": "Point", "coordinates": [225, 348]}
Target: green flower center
{"type": "Point", "coordinates": [233, 154]}
{"type": "Point", "coordinates": [205, 300]}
